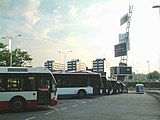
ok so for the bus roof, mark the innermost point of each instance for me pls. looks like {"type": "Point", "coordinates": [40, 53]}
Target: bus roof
{"type": "Point", "coordinates": [76, 72]}
{"type": "Point", "coordinates": [23, 70]}
{"type": "Point", "coordinates": [139, 85]}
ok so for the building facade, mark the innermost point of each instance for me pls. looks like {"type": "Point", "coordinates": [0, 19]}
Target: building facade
{"type": "Point", "coordinates": [76, 65]}
{"type": "Point", "coordinates": [53, 65]}
{"type": "Point", "coordinates": [99, 66]}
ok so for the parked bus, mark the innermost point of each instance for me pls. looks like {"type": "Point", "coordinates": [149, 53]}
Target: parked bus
{"type": "Point", "coordinates": [22, 87]}
{"type": "Point", "coordinates": [77, 84]}
{"type": "Point", "coordinates": [140, 88]}
{"type": "Point", "coordinates": [112, 86]}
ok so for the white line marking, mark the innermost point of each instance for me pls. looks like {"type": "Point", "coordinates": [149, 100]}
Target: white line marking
{"type": "Point", "coordinates": [64, 108]}
{"type": "Point", "coordinates": [30, 118]}
{"type": "Point", "coordinates": [84, 102]}
{"type": "Point", "coordinates": [48, 113]}
{"type": "Point", "coordinates": [74, 105]}
{"type": "Point", "coordinates": [90, 100]}
{"type": "Point", "coordinates": [54, 108]}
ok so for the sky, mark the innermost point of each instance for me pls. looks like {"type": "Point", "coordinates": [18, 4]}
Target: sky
{"type": "Point", "coordinates": [88, 28]}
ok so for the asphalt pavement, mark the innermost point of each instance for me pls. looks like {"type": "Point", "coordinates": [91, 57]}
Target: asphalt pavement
{"type": "Point", "coordinates": [113, 107]}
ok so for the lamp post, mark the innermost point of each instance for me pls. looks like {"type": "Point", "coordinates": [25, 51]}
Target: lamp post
{"type": "Point", "coordinates": [10, 38]}
{"type": "Point", "coordinates": [157, 6]}
{"type": "Point", "coordinates": [65, 57]}
{"type": "Point", "coordinates": [159, 66]}
{"type": "Point", "coordinates": [149, 75]}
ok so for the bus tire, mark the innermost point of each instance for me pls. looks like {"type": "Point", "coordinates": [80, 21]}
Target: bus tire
{"type": "Point", "coordinates": [17, 104]}
{"type": "Point", "coordinates": [81, 93]}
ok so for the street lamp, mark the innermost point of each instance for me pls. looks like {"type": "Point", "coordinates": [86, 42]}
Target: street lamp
{"type": "Point", "coordinates": [149, 75]}
{"type": "Point", "coordinates": [157, 6]}
{"type": "Point", "coordinates": [10, 38]}
{"type": "Point", "coordinates": [65, 57]}
{"type": "Point", "coordinates": [159, 66]}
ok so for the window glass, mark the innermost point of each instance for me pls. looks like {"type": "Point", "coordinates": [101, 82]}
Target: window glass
{"type": "Point", "coordinates": [31, 83]}
{"type": "Point", "coordinates": [72, 80]}
{"type": "Point", "coordinates": [43, 81]}
{"type": "Point", "coordinates": [15, 83]}
{"type": "Point", "coordinates": [2, 84]}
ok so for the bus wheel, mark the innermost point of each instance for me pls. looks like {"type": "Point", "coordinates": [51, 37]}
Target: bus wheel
{"type": "Point", "coordinates": [17, 104]}
{"type": "Point", "coordinates": [81, 93]}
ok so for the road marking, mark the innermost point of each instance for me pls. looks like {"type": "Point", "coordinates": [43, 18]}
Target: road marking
{"type": "Point", "coordinates": [84, 102]}
{"type": "Point", "coordinates": [48, 113]}
{"type": "Point", "coordinates": [64, 108]}
{"type": "Point", "coordinates": [74, 105]}
{"type": "Point", "coordinates": [54, 108]}
{"type": "Point", "coordinates": [30, 118]}
{"type": "Point", "coordinates": [90, 100]}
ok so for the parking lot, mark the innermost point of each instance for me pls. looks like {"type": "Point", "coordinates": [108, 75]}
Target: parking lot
{"type": "Point", "coordinates": [113, 107]}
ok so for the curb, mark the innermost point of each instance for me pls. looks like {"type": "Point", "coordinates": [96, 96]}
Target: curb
{"type": "Point", "coordinates": [155, 94]}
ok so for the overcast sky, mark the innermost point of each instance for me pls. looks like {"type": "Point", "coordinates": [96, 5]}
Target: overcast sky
{"type": "Point", "coordinates": [89, 28]}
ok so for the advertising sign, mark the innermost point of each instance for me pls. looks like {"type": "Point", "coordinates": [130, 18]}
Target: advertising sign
{"type": "Point", "coordinates": [124, 38]}
{"type": "Point", "coordinates": [121, 70]}
{"type": "Point", "coordinates": [124, 19]}
{"type": "Point", "coordinates": [120, 49]}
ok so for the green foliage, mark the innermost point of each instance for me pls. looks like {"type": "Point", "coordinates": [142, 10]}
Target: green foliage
{"type": "Point", "coordinates": [19, 57]}
{"type": "Point", "coordinates": [131, 77]}
{"type": "Point", "coordinates": [2, 45]}
{"type": "Point", "coordinates": [153, 75]}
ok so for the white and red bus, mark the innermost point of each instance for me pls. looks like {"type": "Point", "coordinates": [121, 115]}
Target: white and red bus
{"type": "Point", "coordinates": [22, 87]}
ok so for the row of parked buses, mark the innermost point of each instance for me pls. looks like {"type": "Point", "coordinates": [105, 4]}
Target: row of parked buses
{"type": "Point", "coordinates": [111, 86]}
{"type": "Point", "coordinates": [82, 84]}
{"type": "Point", "coordinates": [22, 87]}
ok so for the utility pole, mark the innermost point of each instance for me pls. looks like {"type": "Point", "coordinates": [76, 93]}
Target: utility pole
{"type": "Point", "coordinates": [10, 38]}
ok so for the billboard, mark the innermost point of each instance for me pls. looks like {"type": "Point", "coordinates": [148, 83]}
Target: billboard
{"type": "Point", "coordinates": [120, 49]}
{"type": "Point", "coordinates": [124, 19]}
{"type": "Point", "coordinates": [121, 70]}
{"type": "Point", "coordinates": [124, 38]}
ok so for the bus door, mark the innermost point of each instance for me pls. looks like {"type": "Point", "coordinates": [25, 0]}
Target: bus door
{"type": "Point", "coordinates": [44, 94]}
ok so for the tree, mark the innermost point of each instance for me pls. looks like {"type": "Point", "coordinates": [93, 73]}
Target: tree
{"type": "Point", "coordinates": [19, 57]}
{"type": "Point", "coordinates": [153, 75]}
{"type": "Point", "coordinates": [130, 77]}
{"type": "Point", "coordinates": [2, 45]}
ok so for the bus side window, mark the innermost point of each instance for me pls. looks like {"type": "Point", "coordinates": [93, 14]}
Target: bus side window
{"type": "Point", "coordinates": [15, 83]}
{"type": "Point", "coordinates": [32, 85]}
{"type": "Point", "coordinates": [2, 86]}
{"type": "Point", "coordinates": [44, 84]}
{"type": "Point", "coordinates": [59, 83]}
